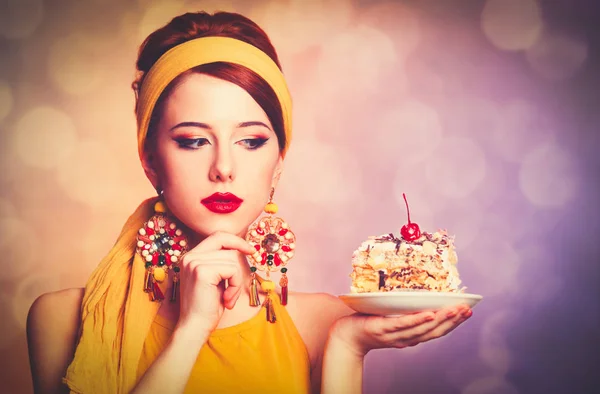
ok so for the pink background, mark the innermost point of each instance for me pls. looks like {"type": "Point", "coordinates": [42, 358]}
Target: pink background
{"type": "Point", "coordinates": [483, 112]}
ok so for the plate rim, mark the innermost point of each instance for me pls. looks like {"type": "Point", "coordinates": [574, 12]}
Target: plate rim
{"type": "Point", "coordinates": [393, 294]}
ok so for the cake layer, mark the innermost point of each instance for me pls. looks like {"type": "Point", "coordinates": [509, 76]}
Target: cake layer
{"type": "Point", "coordinates": [387, 263]}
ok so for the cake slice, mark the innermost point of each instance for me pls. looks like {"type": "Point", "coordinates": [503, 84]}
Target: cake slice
{"type": "Point", "coordinates": [387, 263]}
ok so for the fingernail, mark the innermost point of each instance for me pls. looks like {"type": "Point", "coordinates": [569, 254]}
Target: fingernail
{"type": "Point", "coordinates": [429, 317]}
{"type": "Point", "coordinates": [451, 314]}
{"type": "Point", "coordinates": [467, 312]}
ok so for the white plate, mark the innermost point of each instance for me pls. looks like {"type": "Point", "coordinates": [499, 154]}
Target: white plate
{"type": "Point", "coordinates": [404, 302]}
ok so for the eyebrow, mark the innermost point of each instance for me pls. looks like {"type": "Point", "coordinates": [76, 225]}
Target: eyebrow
{"type": "Point", "coordinates": [207, 127]}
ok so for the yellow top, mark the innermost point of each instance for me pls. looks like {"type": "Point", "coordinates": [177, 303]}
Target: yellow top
{"type": "Point", "coordinates": [251, 357]}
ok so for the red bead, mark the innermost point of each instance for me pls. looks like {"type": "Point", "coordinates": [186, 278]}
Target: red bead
{"type": "Point", "coordinates": [175, 247]}
{"type": "Point", "coordinates": [283, 231]}
{"type": "Point", "coordinates": [171, 232]}
{"type": "Point", "coordinates": [155, 259]}
{"type": "Point", "coordinates": [284, 295]}
{"type": "Point", "coordinates": [158, 294]}
{"type": "Point", "coordinates": [263, 261]}
{"type": "Point", "coordinates": [260, 231]}
{"type": "Point", "coordinates": [178, 239]}
{"type": "Point", "coordinates": [149, 231]}
{"type": "Point", "coordinates": [277, 260]}
{"type": "Point", "coordinates": [257, 247]}
{"type": "Point", "coordinates": [147, 246]}
{"type": "Point", "coordinates": [286, 248]}
{"type": "Point", "coordinates": [145, 239]}
{"type": "Point", "coordinates": [168, 262]}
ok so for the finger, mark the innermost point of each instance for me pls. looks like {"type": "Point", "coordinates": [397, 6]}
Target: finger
{"type": "Point", "coordinates": [397, 323]}
{"type": "Point", "coordinates": [216, 272]}
{"type": "Point", "coordinates": [234, 288]}
{"type": "Point", "coordinates": [230, 300]}
{"type": "Point", "coordinates": [222, 240]}
{"type": "Point", "coordinates": [407, 334]}
{"type": "Point", "coordinates": [444, 327]}
{"type": "Point", "coordinates": [195, 258]}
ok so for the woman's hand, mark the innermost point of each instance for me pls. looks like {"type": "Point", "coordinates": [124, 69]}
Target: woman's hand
{"type": "Point", "coordinates": [204, 270]}
{"type": "Point", "coordinates": [362, 333]}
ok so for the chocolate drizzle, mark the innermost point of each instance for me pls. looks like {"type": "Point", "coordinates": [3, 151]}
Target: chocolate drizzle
{"type": "Point", "coordinates": [382, 276]}
{"type": "Point", "coordinates": [390, 238]}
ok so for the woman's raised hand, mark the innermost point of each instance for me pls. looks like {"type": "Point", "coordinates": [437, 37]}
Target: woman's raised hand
{"type": "Point", "coordinates": [204, 270]}
{"type": "Point", "coordinates": [362, 333]}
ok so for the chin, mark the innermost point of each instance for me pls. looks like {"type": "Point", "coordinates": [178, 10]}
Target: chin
{"type": "Point", "coordinates": [227, 225]}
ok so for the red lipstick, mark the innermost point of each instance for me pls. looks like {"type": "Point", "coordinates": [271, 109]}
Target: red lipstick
{"type": "Point", "coordinates": [222, 202]}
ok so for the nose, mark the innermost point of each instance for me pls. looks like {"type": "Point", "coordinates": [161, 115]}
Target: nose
{"type": "Point", "coordinates": [222, 169]}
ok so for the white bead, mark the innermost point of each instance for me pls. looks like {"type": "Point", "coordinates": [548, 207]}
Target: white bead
{"type": "Point", "coordinates": [173, 259]}
{"type": "Point", "coordinates": [177, 252]}
{"type": "Point", "coordinates": [149, 258]}
{"type": "Point", "coordinates": [284, 225]}
{"type": "Point", "coordinates": [145, 253]}
{"type": "Point", "coordinates": [254, 233]}
{"type": "Point", "coordinates": [183, 243]}
{"type": "Point", "coordinates": [162, 223]}
{"type": "Point", "coordinates": [171, 242]}
{"type": "Point", "coordinates": [140, 244]}
{"type": "Point", "coordinates": [162, 231]}
{"type": "Point", "coordinates": [290, 254]}
{"type": "Point", "coordinates": [150, 224]}
{"type": "Point", "coordinates": [170, 252]}
{"type": "Point", "coordinates": [152, 237]}
{"type": "Point", "coordinates": [292, 246]}
{"type": "Point", "coordinates": [142, 231]}
{"type": "Point", "coordinates": [289, 235]}
{"type": "Point", "coordinates": [178, 232]}
{"type": "Point", "coordinates": [284, 258]}
{"type": "Point", "coordinates": [261, 225]}
{"type": "Point", "coordinates": [172, 226]}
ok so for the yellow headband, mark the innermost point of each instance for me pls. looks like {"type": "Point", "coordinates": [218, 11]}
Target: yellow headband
{"type": "Point", "coordinates": [206, 50]}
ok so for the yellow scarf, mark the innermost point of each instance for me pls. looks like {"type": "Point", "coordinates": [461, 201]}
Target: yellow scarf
{"type": "Point", "coordinates": [116, 314]}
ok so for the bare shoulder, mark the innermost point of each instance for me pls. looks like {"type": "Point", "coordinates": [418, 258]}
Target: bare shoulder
{"type": "Point", "coordinates": [320, 306]}
{"type": "Point", "coordinates": [52, 328]}
{"type": "Point", "coordinates": [314, 314]}
{"type": "Point", "coordinates": [62, 305]}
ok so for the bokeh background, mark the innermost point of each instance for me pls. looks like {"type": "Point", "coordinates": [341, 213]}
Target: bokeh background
{"type": "Point", "coordinates": [484, 112]}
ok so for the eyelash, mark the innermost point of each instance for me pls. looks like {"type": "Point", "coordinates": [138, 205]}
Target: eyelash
{"type": "Point", "coordinates": [193, 143]}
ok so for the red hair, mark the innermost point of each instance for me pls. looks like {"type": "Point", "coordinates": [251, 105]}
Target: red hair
{"type": "Point", "coordinates": [221, 24]}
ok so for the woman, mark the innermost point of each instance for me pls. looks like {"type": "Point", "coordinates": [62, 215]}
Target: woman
{"type": "Point", "coordinates": [214, 124]}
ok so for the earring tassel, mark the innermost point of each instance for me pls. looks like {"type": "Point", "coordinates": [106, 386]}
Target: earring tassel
{"type": "Point", "coordinates": [157, 294]}
{"type": "Point", "coordinates": [254, 299]}
{"type": "Point", "coordinates": [147, 282]}
{"type": "Point", "coordinates": [284, 289]}
{"type": "Point", "coordinates": [174, 289]}
{"type": "Point", "coordinates": [271, 318]}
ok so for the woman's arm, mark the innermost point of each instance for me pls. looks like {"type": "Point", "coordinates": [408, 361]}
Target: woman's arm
{"type": "Point", "coordinates": [171, 370]}
{"type": "Point", "coordinates": [353, 336]}
{"type": "Point", "coordinates": [52, 326]}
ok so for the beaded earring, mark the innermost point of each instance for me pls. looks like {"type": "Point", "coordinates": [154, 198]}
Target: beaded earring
{"type": "Point", "coordinates": [162, 245]}
{"type": "Point", "coordinates": [274, 243]}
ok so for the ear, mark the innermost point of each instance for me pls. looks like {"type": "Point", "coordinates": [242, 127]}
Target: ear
{"type": "Point", "coordinates": [149, 166]}
{"type": "Point", "coordinates": [277, 173]}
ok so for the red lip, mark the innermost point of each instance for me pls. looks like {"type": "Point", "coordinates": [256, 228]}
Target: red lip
{"type": "Point", "coordinates": [222, 202]}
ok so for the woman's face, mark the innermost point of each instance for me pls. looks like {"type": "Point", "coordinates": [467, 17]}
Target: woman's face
{"type": "Point", "coordinates": [212, 138]}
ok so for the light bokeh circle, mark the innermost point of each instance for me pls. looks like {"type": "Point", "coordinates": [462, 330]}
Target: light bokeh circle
{"type": "Point", "coordinates": [20, 19]}
{"type": "Point", "coordinates": [557, 57]}
{"type": "Point", "coordinates": [6, 100]}
{"type": "Point", "coordinates": [512, 24]}
{"type": "Point", "coordinates": [456, 168]}
{"type": "Point", "coordinates": [44, 137]}
{"type": "Point", "coordinates": [548, 176]}
{"type": "Point", "coordinates": [73, 66]}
